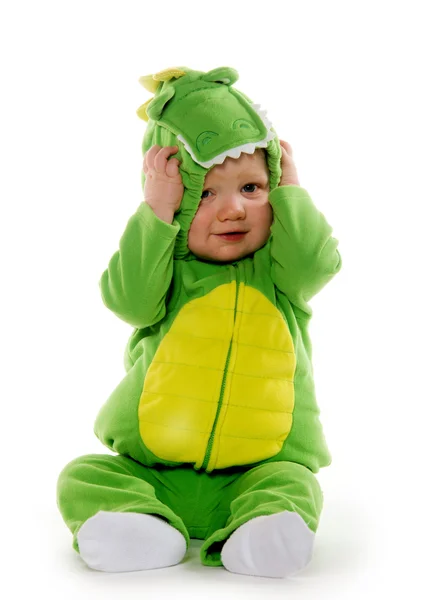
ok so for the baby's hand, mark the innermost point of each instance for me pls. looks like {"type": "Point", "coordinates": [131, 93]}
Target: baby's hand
{"type": "Point", "coordinates": [289, 174]}
{"type": "Point", "coordinates": [163, 189]}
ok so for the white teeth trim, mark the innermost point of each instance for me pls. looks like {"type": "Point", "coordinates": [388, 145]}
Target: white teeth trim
{"type": "Point", "coordinates": [248, 148]}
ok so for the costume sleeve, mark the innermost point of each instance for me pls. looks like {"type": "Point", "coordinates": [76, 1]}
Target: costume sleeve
{"type": "Point", "coordinates": [138, 277]}
{"type": "Point", "coordinates": [304, 255]}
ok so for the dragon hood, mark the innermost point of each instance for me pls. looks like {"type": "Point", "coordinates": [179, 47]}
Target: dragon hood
{"type": "Point", "coordinates": [208, 120]}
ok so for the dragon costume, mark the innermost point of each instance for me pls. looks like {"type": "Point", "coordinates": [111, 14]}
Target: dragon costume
{"type": "Point", "coordinates": [215, 422]}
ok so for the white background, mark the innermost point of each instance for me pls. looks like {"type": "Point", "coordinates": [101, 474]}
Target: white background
{"type": "Point", "coordinates": [341, 83]}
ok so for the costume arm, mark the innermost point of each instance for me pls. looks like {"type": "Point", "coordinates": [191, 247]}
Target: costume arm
{"type": "Point", "coordinates": [135, 284]}
{"type": "Point", "coordinates": [304, 255]}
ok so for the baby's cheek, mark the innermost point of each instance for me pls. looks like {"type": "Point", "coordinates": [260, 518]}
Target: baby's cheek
{"type": "Point", "coordinates": [194, 233]}
{"type": "Point", "coordinates": [266, 215]}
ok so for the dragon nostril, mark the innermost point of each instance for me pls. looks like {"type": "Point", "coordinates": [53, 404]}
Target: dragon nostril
{"type": "Point", "coordinates": [205, 138]}
{"type": "Point", "coordinates": [243, 124]}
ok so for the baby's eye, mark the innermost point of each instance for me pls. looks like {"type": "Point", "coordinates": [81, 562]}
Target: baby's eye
{"type": "Point", "coordinates": [249, 185]}
{"type": "Point", "coordinates": [205, 192]}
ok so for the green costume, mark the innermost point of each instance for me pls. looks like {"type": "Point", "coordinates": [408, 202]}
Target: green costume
{"type": "Point", "coordinates": [216, 421]}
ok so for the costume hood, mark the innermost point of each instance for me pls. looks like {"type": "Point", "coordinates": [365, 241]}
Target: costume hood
{"type": "Point", "coordinates": [208, 120]}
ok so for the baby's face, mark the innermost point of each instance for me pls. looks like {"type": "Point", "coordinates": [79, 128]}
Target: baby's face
{"type": "Point", "coordinates": [234, 199]}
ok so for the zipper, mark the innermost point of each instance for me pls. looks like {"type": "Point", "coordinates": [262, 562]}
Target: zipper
{"type": "Point", "coordinates": [223, 385]}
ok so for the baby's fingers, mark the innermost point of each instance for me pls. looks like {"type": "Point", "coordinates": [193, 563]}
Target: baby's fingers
{"type": "Point", "coordinates": [173, 167]}
{"type": "Point", "coordinates": [150, 157]}
{"type": "Point", "coordinates": [160, 159]}
{"type": "Point", "coordinates": [287, 147]}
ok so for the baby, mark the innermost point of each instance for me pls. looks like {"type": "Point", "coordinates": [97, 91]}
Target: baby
{"type": "Point", "coordinates": [215, 425]}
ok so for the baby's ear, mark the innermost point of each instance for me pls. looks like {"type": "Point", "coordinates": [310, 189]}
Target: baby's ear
{"type": "Point", "coordinates": [225, 75]}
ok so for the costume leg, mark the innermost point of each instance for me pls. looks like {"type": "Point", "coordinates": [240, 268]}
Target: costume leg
{"type": "Point", "coordinates": [274, 514]}
{"type": "Point", "coordinates": [110, 505]}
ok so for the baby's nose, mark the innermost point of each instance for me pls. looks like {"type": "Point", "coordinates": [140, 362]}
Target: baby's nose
{"type": "Point", "coordinates": [232, 206]}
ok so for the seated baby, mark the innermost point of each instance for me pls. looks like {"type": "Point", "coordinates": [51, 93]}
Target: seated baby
{"type": "Point", "coordinates": [215, 426]}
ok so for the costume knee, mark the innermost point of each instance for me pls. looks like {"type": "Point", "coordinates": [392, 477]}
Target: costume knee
{"type": "Point", "coordinates": [266, 490]}
{"type": "Point", "coordinates": [96, 482]}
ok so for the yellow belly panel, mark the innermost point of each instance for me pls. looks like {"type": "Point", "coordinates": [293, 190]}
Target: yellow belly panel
{"type": "Point", "coordinates": [183, 385]}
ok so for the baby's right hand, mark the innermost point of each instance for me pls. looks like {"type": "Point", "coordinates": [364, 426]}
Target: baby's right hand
{"type": "Point", "coordinates": [163, 189]}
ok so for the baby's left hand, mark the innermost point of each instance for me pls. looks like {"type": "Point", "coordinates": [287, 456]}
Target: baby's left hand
{"type": "Point", "coordinates": [289, 174]}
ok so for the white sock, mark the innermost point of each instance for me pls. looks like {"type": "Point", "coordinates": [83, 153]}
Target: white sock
{"type": "Point", "coordinates": [116, 542]}
{"type": "Point", "coordinates": [269, 546]}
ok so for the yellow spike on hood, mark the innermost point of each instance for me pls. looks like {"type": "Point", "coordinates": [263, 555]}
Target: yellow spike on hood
{"type": "Point", "coordinates": [151, 82]}
{"type": "Point", "coordinates": [142, 111]}
{"type": "Point", "coordinates": [167, 74]}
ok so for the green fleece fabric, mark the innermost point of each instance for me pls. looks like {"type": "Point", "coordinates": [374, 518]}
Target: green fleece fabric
{"type": "Point", "coordinates": [219, 365]}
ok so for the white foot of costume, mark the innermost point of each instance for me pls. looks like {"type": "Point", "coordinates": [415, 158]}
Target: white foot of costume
{"type": "Point", "coordinates": [269, 546]}
{"type": "Point", "coordinates": [116, 542]}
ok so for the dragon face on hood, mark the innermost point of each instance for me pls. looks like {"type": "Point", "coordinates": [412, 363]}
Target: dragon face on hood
{"type": "Point", "coordinates": [208, 120]}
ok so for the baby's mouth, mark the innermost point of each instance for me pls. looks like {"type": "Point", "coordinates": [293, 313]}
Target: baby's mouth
{"type": "Point", "coordinates": [233, 236]}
